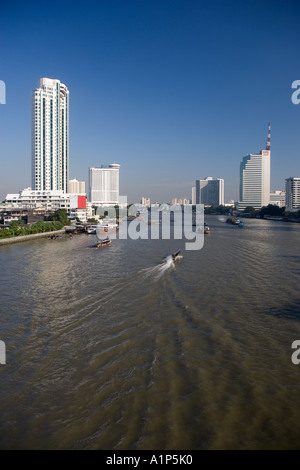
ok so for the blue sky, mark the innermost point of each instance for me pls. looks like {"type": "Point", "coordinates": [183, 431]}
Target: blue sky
{"type": "Point", "coordinates": [172, 90]}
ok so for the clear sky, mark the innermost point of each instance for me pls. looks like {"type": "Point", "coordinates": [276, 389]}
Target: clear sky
{"type": "Point", "coordinates": [172, 90]}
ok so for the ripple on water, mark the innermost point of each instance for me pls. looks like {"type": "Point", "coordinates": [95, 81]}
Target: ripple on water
{"type": "Point", "coordinates": [124, 349]}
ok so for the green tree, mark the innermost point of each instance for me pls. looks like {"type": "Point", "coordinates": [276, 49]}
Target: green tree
{"type": "Point", "coordinates": [117, 208]}
{"type": "Point", "coordinates": [60, 216]}
{"type": "Point", "coordinates": [16, 229]}
{"type": "Point", "coordinates": [5, 233]}
{"type": "Point", "coordinates": [272, 210]}
{"type": "Point", "coordinates": [250, 210]}
{"type": "Point", "coordinates": [92, 221]}
{"type": "Point", "coordinates": [217, 209]}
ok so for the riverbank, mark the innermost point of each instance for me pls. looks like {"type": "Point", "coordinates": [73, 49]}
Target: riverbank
{"type": "Point", "coordinates": [272, 218]}
{"type": "Point", "coordinates": [24, 238]}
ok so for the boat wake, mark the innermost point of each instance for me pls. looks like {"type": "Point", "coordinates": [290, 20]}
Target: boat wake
{"type": "Point", "coordinates": [167, 264]}
{"type": "Point", "coordinates": [160, 269]}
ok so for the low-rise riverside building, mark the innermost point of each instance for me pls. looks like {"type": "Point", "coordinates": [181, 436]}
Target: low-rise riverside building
{"type": "Point", "coordinates": [49, 201]}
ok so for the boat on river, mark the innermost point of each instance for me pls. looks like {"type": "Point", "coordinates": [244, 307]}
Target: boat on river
{"type": "Point", "coordinates": [175, 255]}
{"type": "Point", "coordinates": [91, 229]}
{"type": "Point", "coordinates": [234, 221]}
{"type": "Point", "coordinates": [206, 229]}
{"type": "Point", "coordinates": [107, 228]}
{"type": "Point", "coordinates": [102, 243]}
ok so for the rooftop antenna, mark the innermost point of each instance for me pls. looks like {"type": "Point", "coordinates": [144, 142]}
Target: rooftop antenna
{"type": "Point", "coordinates": [268, 147]}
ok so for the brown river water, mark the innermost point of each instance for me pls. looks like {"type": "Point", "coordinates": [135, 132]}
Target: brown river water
{"type": "Point", "coordinates": [120, 348]}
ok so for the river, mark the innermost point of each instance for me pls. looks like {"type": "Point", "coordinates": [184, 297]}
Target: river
{"type": "Point", "coordinates": [121, 348]}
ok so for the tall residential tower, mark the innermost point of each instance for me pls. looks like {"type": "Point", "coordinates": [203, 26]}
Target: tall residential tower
{"type": "Point", "coordinates": [255, 176]}
{"type": "Point", "coordinates": [50, 136]}
{"type": "Point", "coordinates": [104, 185]}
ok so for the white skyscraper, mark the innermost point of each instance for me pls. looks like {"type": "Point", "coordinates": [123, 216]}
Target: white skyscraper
{"type": "Point", "coordinates": [255, 176]}
{"type": "Point", "coordinates": [194, 195]}
{"type": "Point", "coordinates": [104, 185]}
{"type": "Point", "coordinates": [210, 192]}
{"type": "Point", "coordinates": [50, 136]}
{"type": "Point", "coordinates": [292, 186]}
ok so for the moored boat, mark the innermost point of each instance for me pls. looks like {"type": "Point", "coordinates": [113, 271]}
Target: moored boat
{"type": "Point", "coordinates": [91, 229]}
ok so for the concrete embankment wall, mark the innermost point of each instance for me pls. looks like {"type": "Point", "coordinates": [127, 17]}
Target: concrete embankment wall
{"type": "Point", "coordinates": [24, 238]}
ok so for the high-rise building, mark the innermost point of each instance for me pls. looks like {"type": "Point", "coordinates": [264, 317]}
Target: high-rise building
{"type": "Point", "coordinates": [104, 185]}
{"type": "Point", "coordinates": [76, 187]}
{"type": "Point", "coordinates": [194, 195]}
{"type": "Point", "coordinates": [50, 136]}
{"type": "Point", "coordinates": [210, 192]}
{"type": "Point", "coordinates": [145, 201]}
{"type": "Point", "coordinates": [255, 176]}
{"type": "Point", "coordinates": [277, 198]}
{"type": "Point", "coordinates": [292, 186]}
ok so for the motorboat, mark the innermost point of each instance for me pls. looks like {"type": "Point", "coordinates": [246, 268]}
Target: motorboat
{"type": "Point", "coordinates": [234, 221]}
{"type": "Point", "coordinates": [175, 255]}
